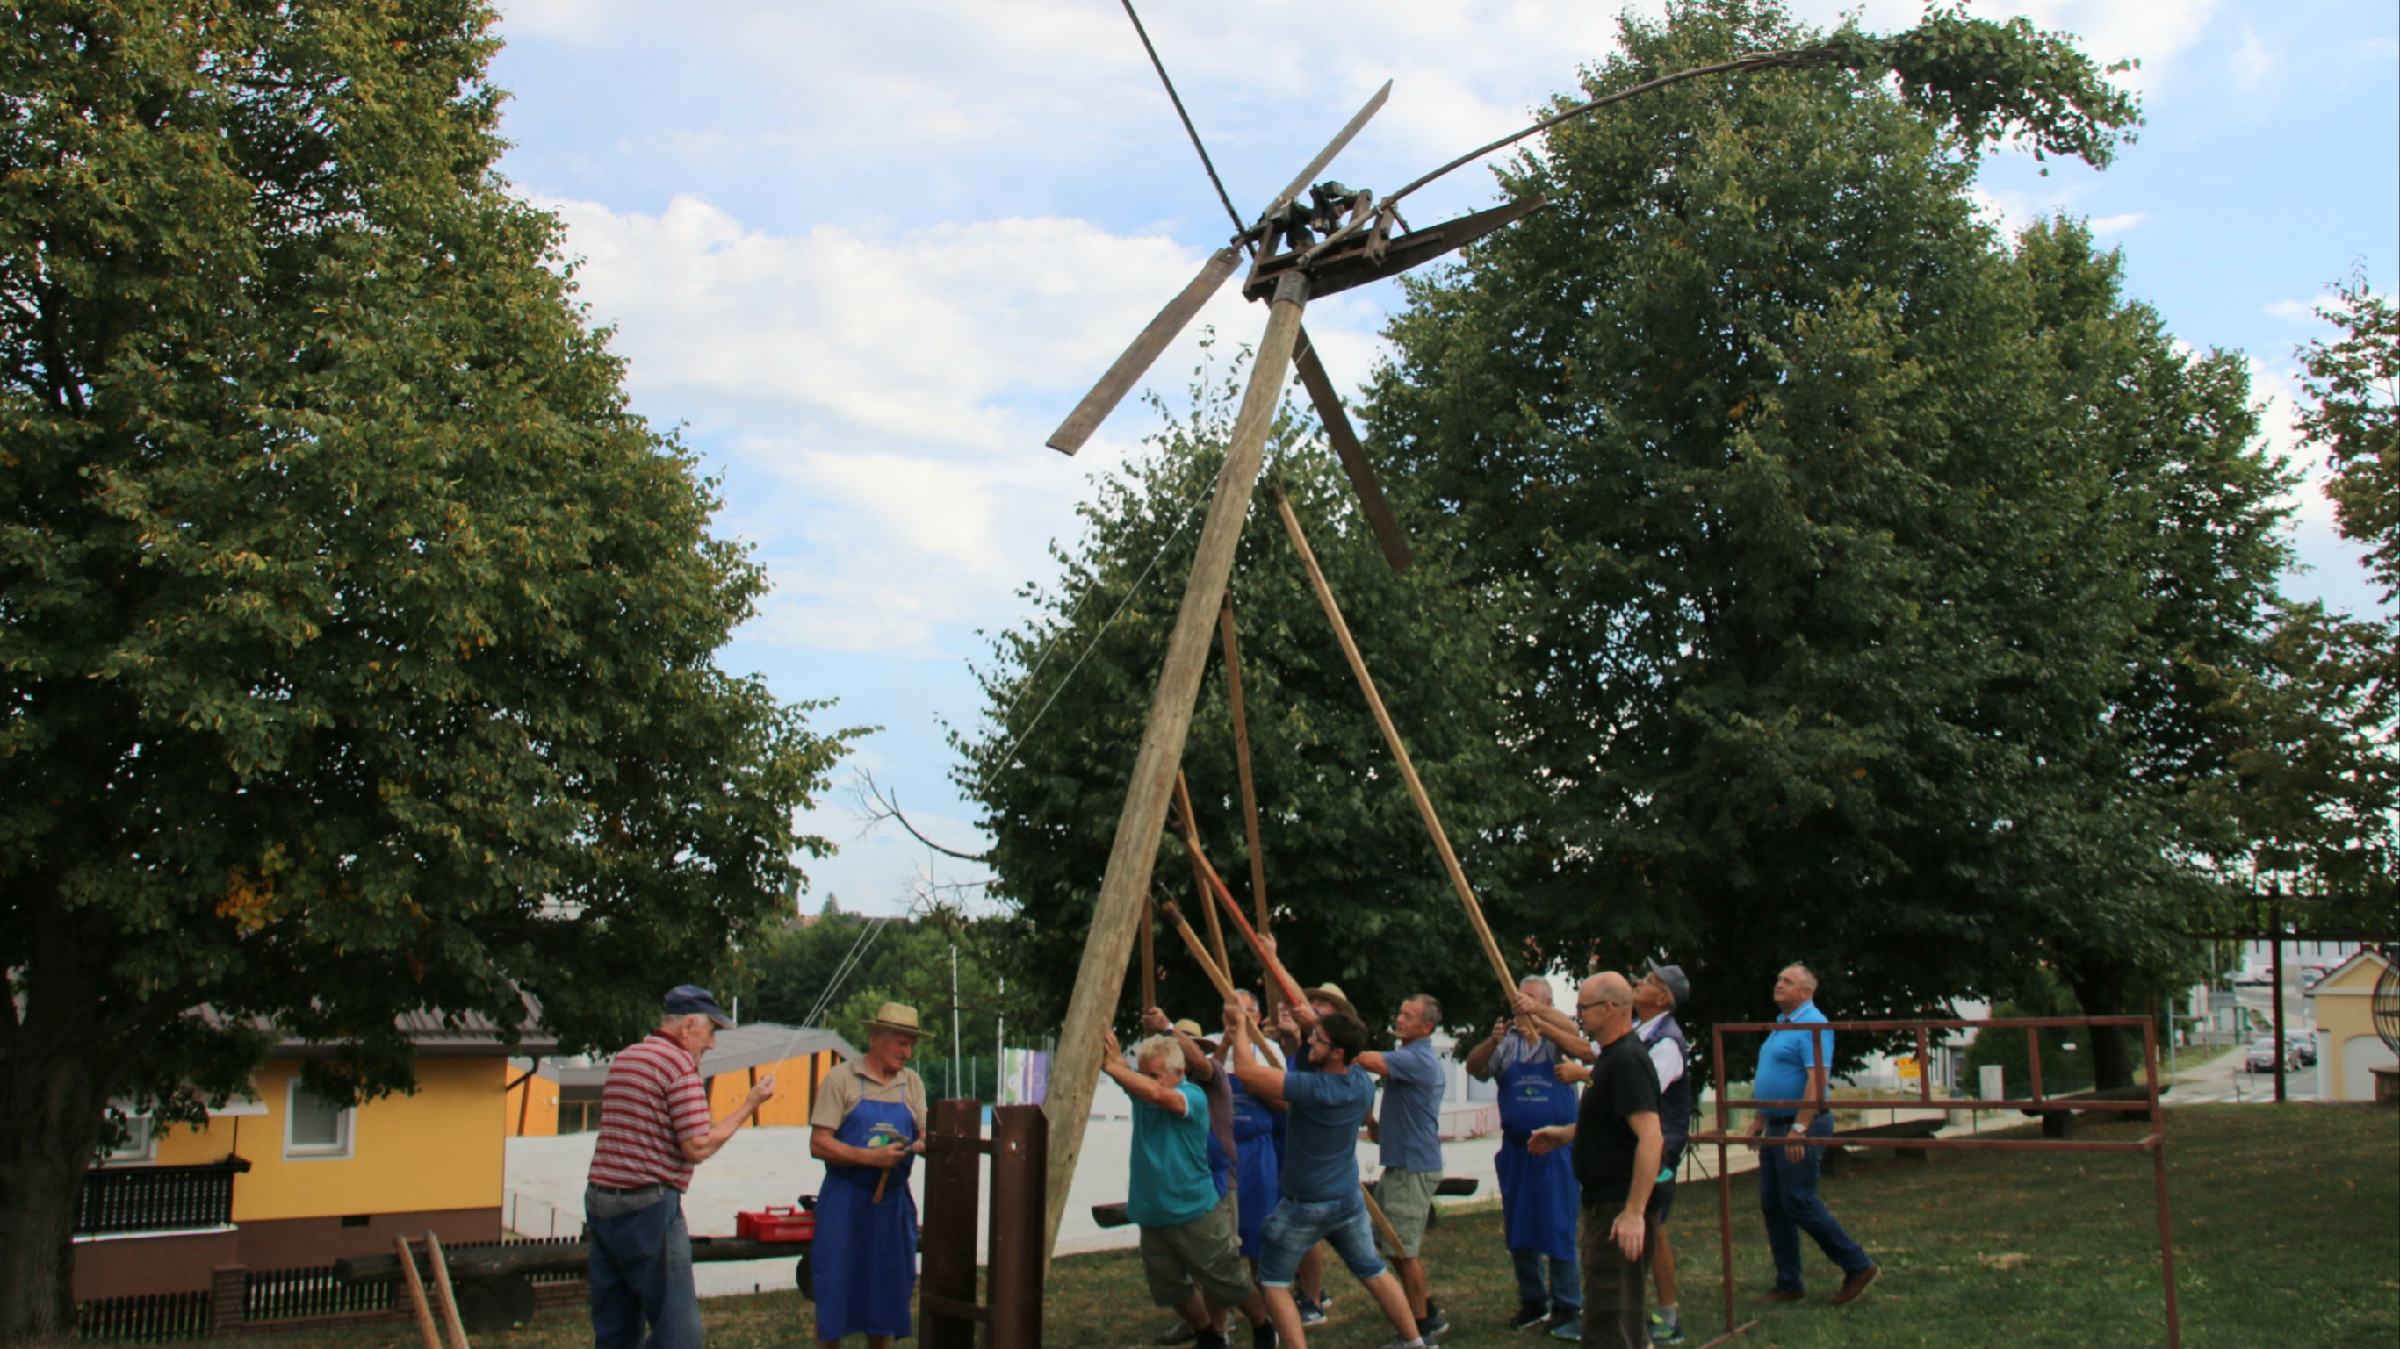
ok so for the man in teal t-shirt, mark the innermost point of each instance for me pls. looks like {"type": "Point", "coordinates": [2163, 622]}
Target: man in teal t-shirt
{"type": "Point", "coordinates": [1188, 1231]}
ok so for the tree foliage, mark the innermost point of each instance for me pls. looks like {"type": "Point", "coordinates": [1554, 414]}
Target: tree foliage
{"type": "Point", "coordinates": [1356, 889]}
{"type": "Point", "coordinates": [2354, 384]}
{"type": "Point", "coordinates": [355, 638]}
{"type": "Point", "coordinates": [1851, 563]}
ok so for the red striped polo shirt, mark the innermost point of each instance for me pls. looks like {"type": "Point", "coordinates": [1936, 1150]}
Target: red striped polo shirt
{"type": "Point", "coordinates": [652, 1102]}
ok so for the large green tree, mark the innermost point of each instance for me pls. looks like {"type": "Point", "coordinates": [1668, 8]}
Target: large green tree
{"type": "Point", "coordinates": [1847, 555]}
{"type": "Point", "coordinates": [356, 639]}
{"type": "Point", "coordinates": [1358, 893]}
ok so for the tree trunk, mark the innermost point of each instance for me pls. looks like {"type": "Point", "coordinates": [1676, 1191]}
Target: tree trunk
{"type": "Point", "coordinates": [2102, 993]}
{"type": "Point", "coordinates": [52, 1096]}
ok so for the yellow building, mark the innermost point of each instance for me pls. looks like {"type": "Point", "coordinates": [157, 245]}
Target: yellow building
{"type": "Point", "coordinates": [284, 1178]}
{"type": "Point", "coordinates": [549, 1097]}
{"type": "Point", "coordinates": [2348, 1049]}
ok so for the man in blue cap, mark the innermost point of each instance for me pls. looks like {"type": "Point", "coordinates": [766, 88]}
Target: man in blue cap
{"type": "Point", "coordinates": [654, 1128]}
{"type": "Point", "coordinates": [1655, 999]}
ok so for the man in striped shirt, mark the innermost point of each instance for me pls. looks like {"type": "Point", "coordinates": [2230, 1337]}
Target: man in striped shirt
{"type": "Point", "coordinates": [654, 1128]}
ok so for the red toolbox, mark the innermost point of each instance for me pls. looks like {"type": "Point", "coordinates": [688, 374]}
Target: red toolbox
{"type": "Point", "coordinates": [776, 1222]}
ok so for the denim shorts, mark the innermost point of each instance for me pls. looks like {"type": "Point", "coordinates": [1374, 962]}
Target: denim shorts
{"type": "Point", "coordinates": [1296, 1225]}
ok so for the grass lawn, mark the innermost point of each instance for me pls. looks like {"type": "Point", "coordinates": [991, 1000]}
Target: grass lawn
{"type": "Point", "coordinates": [2287, 1232]}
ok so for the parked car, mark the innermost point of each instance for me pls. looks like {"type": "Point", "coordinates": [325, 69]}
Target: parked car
{"type": "Point", "coordinates": [2303, 1045]}
{"type": "Point", "coordinates": [2262, 1056]}
{"type": "Point", "coordinates": [2253, 978]}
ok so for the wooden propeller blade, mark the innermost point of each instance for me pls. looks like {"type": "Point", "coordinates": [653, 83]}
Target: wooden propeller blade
{"type": "Point", "coordinates": [1363, 481]}
{"type": "Point", "coordinates": [1333, 147]}
{"type": "Point", "coordinates": [1146, 348]}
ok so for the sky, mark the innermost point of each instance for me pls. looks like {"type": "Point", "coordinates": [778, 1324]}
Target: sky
{"type": "Point", "coordinates": [862, 257]}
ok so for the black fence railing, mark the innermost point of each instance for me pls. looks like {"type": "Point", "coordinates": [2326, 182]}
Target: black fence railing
{"type": "Point", "coordinates": [146, 1318]}
{"type": "Point", "coordinates": [157, 1198]}
{"type": "Point", "coordinates": [282, 1294]}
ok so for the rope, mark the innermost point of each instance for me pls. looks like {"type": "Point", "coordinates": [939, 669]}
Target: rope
{"type": "Point", "coordinates": [1188, 129]}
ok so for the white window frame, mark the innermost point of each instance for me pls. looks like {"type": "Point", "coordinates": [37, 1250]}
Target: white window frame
{"type": "Point", "coordinates": [345, 1125]}
{"type": "Point", "coordinates": [143, 1152]}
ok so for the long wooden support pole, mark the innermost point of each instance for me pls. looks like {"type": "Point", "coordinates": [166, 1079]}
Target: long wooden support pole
{"type": "Point", "coordinates": [1224, 982]}
{"type": "Point", "coordinates": [1125, 886]}
{"type": "Point", "coordinates": [1241, 764]}
{"type": "Point", "coordinates": [1216, 930]}
{"type": "Point", "coordinates": [1149, 958]}
{"type": "Point", "coordinates": [1391, 737]}
{"type": "Point", "coordinates": [1276, 973]}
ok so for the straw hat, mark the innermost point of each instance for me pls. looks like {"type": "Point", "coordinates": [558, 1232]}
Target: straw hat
{"type": "Point", "coordinates": [897, 1017]}
{"type": "Point", "coordinates": [1332, 993]}
{"type": "Point", "coordinates": [1192, 1028]}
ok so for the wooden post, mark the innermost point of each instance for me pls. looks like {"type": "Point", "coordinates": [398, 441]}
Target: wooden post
{"type": "Point", "coordinates": [1391, 737]}
{"type": "Point", "coordinates": [1100, 980]}
{"type": "Point", "coordinates": [1149, 955]}
{"type": "Point", "coordinates": [953, 1168]}
{"type": "Point", "coordinates": [1208, 911]}
{"type": "Point", "coordinates": [1020, 1145]}
{"type": "Point", "coordinates": [1383, 1225]}
{"type": "Point", "coordinates": [416, 1295]}
{"type": "Point", "coordinates": [441, 1288]}
{"type": "Point", "coordinates": [1241, 764]}
{"type": "Point", "coordinates": [1223, 982]}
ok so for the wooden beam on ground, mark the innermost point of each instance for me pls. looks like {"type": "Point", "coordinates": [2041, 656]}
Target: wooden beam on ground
{"type": "Point", "coordinates": [1391, 737]}
{"type": "Point", "coordinates": [1125, 886]}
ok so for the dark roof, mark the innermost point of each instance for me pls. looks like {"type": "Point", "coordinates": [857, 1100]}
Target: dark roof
{"type": "Point", "coordinates": [739, 1048]}
{"type": "Point", "coordinates": [474, 1036]}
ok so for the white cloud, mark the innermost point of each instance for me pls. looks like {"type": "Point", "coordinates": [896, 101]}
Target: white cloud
{"type": "Point", "coordinates": [2104, 225]}
{"type": "Point", "coordinates": [2296, 311]}
{"type": "Point", "coordinates": [2252, 65]}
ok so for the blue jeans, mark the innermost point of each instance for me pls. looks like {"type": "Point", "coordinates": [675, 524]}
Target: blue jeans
{"type": "Point", "coordinates": [1787, 1195]}
{"type": "Point", "coordinates": [1564, 1294]}
{"type": "Point", "coordinates": [640, 1270]}
{"type": "Point", "coordinates": [1297, 1225]}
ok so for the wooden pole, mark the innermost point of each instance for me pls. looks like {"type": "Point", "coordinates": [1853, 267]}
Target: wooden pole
{"type": "Point", "coordinates": [1241, 764]}
{"type": "Point", "coordinates": [1216, 930]}
{"type": "Point", "coordinates": [1391, 737]}
{"type": "Point", "coordinates": [426, 1330]}
{"type": "Point", "coordinates": [1216, 975]}
{"type": "Point", "coordinates": [1383, 1225]}
{"type": "Point", "coordinates": [1276, 973]}
{"type": "Point", "coordinates": [1100, 979]}
{"type": "Point", "coordinates": [441, 1287]}
{"type": "Point", "coordinates": [1149, 955]}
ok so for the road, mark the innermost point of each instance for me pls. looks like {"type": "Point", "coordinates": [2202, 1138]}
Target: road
{"type": "Point", "coordinates": [2222, 1079]}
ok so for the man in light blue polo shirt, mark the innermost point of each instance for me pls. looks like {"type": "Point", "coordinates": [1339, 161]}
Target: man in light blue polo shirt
{"type": "Point", "coordinates": [1792, 1067]}
{"type": "Point", "coordinates": [1409, 1133]}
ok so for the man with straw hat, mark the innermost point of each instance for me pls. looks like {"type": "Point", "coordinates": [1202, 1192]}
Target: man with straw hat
{"type": "Point", "coordinates": [1186, 1221]}
{"type": "Point", "coordinates": [654, 1128]}
{"type": "Point", "coordinates": [866, 1126]}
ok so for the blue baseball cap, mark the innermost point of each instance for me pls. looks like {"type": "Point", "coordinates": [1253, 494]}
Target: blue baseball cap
{"type": "Point", "coordinates": [691, 1000]}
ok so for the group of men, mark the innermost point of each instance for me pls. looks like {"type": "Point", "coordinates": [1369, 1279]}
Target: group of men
{"type": "Point", "coordinates": [1244, 1165]}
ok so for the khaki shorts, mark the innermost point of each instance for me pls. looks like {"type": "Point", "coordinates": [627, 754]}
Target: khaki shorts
{"type": "Point", "coordinates": [1203, 1251]}
{"type": "Point", "coordinates": [1407, 1199]}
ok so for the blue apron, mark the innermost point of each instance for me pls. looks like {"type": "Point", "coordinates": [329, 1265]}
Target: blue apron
{"type": "Point", "coordinates": [865, 1256]}
{"type": "Point", "coordinates": [1258, 1173]}
{"type": "Point", "coordinates": [1538, 1195]}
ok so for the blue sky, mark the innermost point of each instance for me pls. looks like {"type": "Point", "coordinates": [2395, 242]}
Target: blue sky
{"type": "Point", "coordinates": [865, 255]}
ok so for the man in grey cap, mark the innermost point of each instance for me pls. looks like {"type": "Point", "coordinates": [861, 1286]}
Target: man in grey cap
{"type": "Point", "coordinates": [654, 1128]}
{"type": "Point", "coordinates": [1655, 999]}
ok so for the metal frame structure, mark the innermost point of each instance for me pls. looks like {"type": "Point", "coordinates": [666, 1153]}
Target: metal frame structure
{"type": "Point", "coordinates": [2153, 1143]}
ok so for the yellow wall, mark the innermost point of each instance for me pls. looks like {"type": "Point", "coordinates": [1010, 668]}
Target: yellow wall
{"type": "Point", "coordinates": [794, 1093]}
{"type": "Point", "coordinates": [441, 1148]}
{"type": "Point", "coordinates": [2345, 1018]}
{"type": "Point", "coordinates": [536, 1117]}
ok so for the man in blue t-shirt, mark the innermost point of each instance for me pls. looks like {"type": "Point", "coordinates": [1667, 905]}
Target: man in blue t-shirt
{"type": "Point", "coordinates": [1410, 1138]}
{"type": "Point", "coordinates": [1792, 1067]}
{"type": "Point", "coordinates": [1326, 1095]}
{"type": "Point", "coordinates": [1187, 1226]}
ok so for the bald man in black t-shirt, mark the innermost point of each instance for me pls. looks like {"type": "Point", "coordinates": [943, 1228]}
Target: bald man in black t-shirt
{"type": "Point", "coordinates": [1618, 1144]}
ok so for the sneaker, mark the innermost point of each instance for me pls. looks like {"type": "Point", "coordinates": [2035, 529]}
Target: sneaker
{"type": "Point", "coordinates": [1417, 1343]}
{"type": "Point", "coordinates": [1262, 1336]}
{"type": "Point", "coordinates": [1664, 1331]}
{"type": "Point", "coordinates": [1434, 1325]}
{"type": "Point", "coordinates": [1528, 1316]}
{"type": "Point", "coordinates": [1178, 1333]}
{"type": "Point", "coordinates": [1570, 1329]}
{"type": "Point", "coordinates": [1779, 1293]}
{"type": "Point", "coordinates": [1310, 1313]}
{"type": "Point", "coordinates": [1210, 1340]}
{"type": "Point", "coordinates": [1854, 1286]}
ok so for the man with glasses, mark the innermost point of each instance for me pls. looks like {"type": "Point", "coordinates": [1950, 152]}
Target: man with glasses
{"type": "Point", "coordinates": [1326, 1095]}
{"type": "Point", "coordinates": [1618, 1144]}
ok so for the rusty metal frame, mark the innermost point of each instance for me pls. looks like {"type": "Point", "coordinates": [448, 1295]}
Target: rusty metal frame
{"type": "Point", "coordinates": [947, 1312]}
{"type": "Point", "coordinates": [2153, 1143]}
